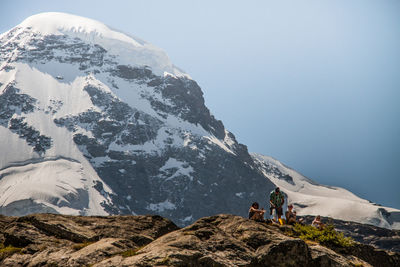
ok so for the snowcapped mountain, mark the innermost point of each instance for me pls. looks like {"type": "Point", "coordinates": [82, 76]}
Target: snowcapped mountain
{"type": "Point", "coordinates": [94, 121]}
{"type": "Point", "coordinates": [311, 198]}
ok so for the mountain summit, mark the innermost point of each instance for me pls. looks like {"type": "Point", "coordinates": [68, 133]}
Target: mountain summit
{"type": "Point", "coordinates": [96, 122]}
{"type": "Point", "coordinates": [130, 50]}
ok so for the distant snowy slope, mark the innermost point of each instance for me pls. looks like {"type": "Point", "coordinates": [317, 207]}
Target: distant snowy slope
{"type": "Point", "coordinates": [311, 198]}
{"type": "Point", "coordinates": [52, 185]}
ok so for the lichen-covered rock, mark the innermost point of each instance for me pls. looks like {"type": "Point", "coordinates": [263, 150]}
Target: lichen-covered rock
{"type": "Point", "coordinates": [227, 240]}
{"type": "Point", "coordinates": [322, 256]}
{"type": "Point", "coordinates": [45, 239]}
{"type": "Point", "coordinates": [222, 240]}
{"type": "Point", "coordinates": [288, 252]}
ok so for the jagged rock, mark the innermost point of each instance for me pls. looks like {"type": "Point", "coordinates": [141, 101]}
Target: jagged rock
{"type": "Point", "coordinates": [222, 240]}
{"type": "Point", "coordinates": [290, 252]}
{"type": "Point", "coordinates": [322, 256]}
{"type": "Point", "coordinates": [228, 240]}
{"type": "Point", "coordinates": [73, 256]}
{"type": "Point", "coordinates": [75, 240]}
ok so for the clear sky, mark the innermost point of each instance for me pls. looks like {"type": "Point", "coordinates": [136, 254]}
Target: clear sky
{"type": "Point", "coordinates": [315, 84]}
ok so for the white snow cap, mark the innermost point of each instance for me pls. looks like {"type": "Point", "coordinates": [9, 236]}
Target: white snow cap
{"type": "Point", "coordinates": [129, 49]}
{"type": "Point", "coordinates": [59, 23]}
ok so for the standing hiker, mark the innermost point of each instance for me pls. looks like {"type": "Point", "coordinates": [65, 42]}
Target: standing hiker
{"type": "Point", "coordinates": [276, 200]}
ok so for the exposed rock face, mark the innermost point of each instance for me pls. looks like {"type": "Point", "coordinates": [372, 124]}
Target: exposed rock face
{"type": "Point", "coordinates": [222, 240]}
{"type": "Point", "coordinates": [77, 241]}
{"type": "Point", "coordinates": [12, 102]}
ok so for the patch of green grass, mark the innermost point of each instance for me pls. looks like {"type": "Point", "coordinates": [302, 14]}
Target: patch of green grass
{"type": "Point", "coordinates": [131, 252]}
{"type": "Point", "coordinates": [8, 251]}
{"type": "Point", "coordinates": [81, 245]}
{"type": "Point", "coordinates": [327, 236]}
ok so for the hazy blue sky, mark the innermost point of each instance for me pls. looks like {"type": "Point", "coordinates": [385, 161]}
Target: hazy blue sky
{"type": "Point", "coordinates": [315, 84]}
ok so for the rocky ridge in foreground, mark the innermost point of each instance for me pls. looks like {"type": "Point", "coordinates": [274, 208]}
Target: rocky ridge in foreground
{"type": "Point", "coordinates": [221, 240]}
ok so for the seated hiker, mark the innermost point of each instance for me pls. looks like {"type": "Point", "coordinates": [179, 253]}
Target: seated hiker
{"type": "Point", "coordinates": [290, 215]}
{"type": "Point", "coordinates": [300, 220]}
{"type": "Point", "coordinates": [276, 200]}
{"type": "Point", "coordinates": [318, 223]}
{"type": "Point", "coordinates": [255, 213]}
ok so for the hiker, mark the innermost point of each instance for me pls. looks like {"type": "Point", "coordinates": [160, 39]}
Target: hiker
{"type": "Point", "coordinates": [276, 200]}
{"type": "Point", "coordinates": [255, 213]}
{"type": "Point", "coordinates": [290, 215]}
{"type": "Point", "coordinates": [318, 223]}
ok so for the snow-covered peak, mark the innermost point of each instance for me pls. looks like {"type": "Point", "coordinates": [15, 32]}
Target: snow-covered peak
{"type": "Point", "coordinates": [60, 23]}
{"type": "Point", "coordinates": [129, 49]}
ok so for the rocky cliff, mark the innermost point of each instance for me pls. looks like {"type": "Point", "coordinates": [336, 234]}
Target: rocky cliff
{"type": "Point", "coordinates": [222, 240]}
